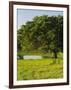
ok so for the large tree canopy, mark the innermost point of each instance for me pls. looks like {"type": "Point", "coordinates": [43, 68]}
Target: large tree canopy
{"type": "Point", "coordinates": [43, 33]}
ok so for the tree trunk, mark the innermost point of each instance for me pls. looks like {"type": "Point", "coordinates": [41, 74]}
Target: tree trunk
{"type": "Point", "coordinates": [55, 56]}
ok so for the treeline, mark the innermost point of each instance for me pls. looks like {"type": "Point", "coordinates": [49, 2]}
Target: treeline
{"type": "Point", "coordinates": [43, 33]}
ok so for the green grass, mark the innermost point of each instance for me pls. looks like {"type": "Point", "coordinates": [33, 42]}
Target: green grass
{"type": "Point", "coordinates": [39, 69]}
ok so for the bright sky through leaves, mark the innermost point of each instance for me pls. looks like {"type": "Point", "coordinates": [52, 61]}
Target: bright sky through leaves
{"type": "Point", "coordinates": [24, 15]}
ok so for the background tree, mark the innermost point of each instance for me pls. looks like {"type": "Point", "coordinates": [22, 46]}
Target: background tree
{"type": "Point", "coordinates": [43, 33]}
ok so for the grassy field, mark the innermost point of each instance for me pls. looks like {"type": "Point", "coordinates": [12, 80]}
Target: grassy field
{"type": "Point", "coordinates": [39, 69]}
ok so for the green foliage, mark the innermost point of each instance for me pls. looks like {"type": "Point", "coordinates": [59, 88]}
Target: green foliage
{"type": "Point", "coordinates": [43, 34]}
